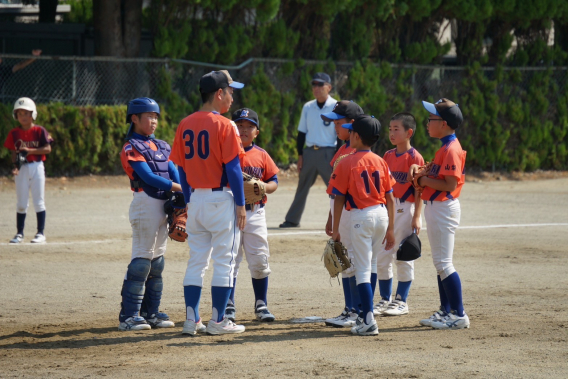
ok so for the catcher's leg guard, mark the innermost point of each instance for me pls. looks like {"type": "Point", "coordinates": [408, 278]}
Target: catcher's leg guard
{"type": "Point", "coordinates": [154, 287]}
{"type": "Point", "coordinates": [133, 288]}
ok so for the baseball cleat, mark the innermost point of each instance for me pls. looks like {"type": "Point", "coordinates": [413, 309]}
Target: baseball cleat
{"type": "Point", "coordinates": [396, 308]}
{"type": "Point", "coordinates": [380, 307]}
{"type": "Point", "coordinates": [345, 320]}
{"type": "Point", "coordinates": [191, 327]}
{"type": "Point", "coordinates": [39, 238]}
{"type": "Point", "coordinates": [158, 320]}
{"type": "Point", "coordinates": [439, 315]}
{"type": "Point", "coordinates": [134, 323]}
{"type": "Point", "coordinates": [362, 329]}
{"type": "Point", "coordinates": [230, 311]}
{"type": "Point", "coordinates": [452, 321]}
{"type": "Point", "coordinates": [288, 224]}
{"type": "Point", "coordinates": [224, 327]}
{"type": "Point", "coordinates": [263, 314]}
{"type": "Point", "coordinates": [333, 321]}
{"type": "Point", "coordinates": [18, 238]}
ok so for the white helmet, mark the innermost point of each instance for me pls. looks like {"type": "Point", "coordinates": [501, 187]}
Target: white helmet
{"type": "Point", "coordinates": [27, 104]}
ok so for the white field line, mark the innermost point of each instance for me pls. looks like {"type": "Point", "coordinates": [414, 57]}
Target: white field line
{"type": "Point", "coordinates": [300, 232]}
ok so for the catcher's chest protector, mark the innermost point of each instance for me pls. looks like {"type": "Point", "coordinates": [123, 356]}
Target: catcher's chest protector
{"type": "Point", "coordinates": [158, 163]}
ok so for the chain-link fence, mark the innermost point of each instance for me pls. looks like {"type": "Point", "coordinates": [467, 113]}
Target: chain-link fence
{"type": "Point", "coordinates": [105, 80]}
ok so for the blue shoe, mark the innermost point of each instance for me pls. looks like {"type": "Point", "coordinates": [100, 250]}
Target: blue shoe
{"type": "Point", "coordinates": [263, 314]}
{"type": "Point", "coordinates": [158, 320]}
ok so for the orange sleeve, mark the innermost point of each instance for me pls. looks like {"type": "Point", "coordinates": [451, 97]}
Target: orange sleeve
{"type": "Point", "coordinates": [178, 147]}
{"type": "Point", "coordinates": [452, 164]}
{"type": "Point", "coordinates": [270, 168]}
{"type": "Point", "coordinates": [389, 180]}
{"type": "Point", "coordinates": [340, 177]}
{"type": "Point", "coordinates": [230, 142]}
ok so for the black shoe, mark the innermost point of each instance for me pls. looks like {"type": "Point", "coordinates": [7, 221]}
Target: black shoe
{"type": "Point", "coordinates": [288, 224]}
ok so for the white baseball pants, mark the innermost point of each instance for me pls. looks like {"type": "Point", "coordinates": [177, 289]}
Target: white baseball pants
{"type": "Point", "coordinates": [254, 243]}
{"type": "Point", "coordinates": [212, 233]}
{"type": "Point", "coordinates": [345, 235]}
{"type": "Point", "coordinates": [149, 226]}
{"type": "Point", "coordinates": [30, 176]}
{"type": "Point", "coordinates": [403, 214]}
{"type": "Point", "coordinates": [368, 229]}
{"type": "Point", "coordinates": [442, 219]}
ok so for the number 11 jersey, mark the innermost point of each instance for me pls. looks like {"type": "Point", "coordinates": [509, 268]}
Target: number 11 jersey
{"type": "Point", "coordinates": [363, 178]}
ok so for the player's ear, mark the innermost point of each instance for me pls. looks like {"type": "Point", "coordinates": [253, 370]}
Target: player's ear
{"type": "Point", "coordinates": [135, 119]}
{"type": "Point", "coordinates": [409, 133]}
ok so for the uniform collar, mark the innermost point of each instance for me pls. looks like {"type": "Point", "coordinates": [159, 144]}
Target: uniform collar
{"type": "Point", "coordinates": [447, 139]}
{"type": "Point", "coordinates": [248, 148]}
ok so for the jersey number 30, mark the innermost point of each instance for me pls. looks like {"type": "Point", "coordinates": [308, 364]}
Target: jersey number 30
{"type": "Point", "coordinates": [377, 180]}
{"type": "Point", "coordinates": [202, 144]}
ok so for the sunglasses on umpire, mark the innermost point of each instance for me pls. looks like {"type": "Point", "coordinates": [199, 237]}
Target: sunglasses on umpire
{"type": "Point", "coordinates": [318, 84]}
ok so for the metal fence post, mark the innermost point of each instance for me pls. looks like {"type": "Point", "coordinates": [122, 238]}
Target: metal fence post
{"type": "Point", "coordinates": [74, 84]}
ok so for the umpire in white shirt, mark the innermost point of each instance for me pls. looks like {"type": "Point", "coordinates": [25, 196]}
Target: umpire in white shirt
{"type": "Point", "coordinates": [320, 140]}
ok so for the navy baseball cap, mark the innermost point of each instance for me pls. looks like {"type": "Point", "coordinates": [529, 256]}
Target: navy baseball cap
{"type": "Point", "coordinates": [447, 109]}
{"type": "Point", "coordinates": [321, 77]}
{"type": "Point", "coordinates": [214, 80]}
{"type": "Point", "coordinates": [246, 114]}
{"type": "Point", "coordinates": [410, 248]}
{"type": "Point", "coordinates": [343, 109]}
{"type": "Point", "coordinates": [365, 126]}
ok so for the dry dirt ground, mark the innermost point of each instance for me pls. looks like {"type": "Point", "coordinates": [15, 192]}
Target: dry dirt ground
{"type": "Point", "coordinates": [60, 301]}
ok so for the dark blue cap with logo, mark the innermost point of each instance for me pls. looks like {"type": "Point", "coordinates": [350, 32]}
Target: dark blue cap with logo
{"type": "Point", "coordinates": [246, 114]}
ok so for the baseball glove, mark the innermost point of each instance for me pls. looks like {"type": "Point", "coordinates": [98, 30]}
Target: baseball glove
{"type": "Point", "coordinates": [176, 211]}
{"type": "Point", "coordinates": [335, 258]}
{"type": "Point", "coordinates": [20, 159]}
{"type": "Point", "coordinates": [423, 170]}
{"type": "Point", "coordinates": [339, 159]}
{"type": "Point", "coordinates": [255, 189]}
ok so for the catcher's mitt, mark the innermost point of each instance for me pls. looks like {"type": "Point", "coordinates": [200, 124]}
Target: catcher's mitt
{"type": "Point", "coordinates": [176, 211]}
{"type": "Point", "coordinates": [255, 189]}
{"type": "Point", "coordinates": [422, 171]}
{"type": "Point", "coordinates": [335, 258]}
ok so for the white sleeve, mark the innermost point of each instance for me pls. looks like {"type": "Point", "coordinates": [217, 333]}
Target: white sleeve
{"type": "Point", "coordinates": [303, 125]}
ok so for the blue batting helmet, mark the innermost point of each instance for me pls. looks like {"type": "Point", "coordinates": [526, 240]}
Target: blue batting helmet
{"type": "Point", "coordinates": [141, 105]}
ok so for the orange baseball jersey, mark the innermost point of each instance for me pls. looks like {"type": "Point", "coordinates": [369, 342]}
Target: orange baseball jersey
{"type": "Point", "coordinates": [399, 166]}
{"type": "Point", "coordinates": [204, 143]}
{"type": "Point", "coordinates": [363, 178]}
{"type": "Point", "coordinates": [34, 137]}
{"type": "Point", "coordinates": [129, 153]}
{"type": "Point", "coordinates": [344, 149]}
{"type": "Point", "coordinates": [449, 161]}
{"type": "Point", "coordinates": [256, 162]}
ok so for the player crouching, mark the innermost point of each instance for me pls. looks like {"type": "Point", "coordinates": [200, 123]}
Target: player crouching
{"type": "Point", "coordinates": [363, 184]}
{"type": "Point", "coordinates": [145, 160]}
{"type": "Point", "coordinates": [254, 237]}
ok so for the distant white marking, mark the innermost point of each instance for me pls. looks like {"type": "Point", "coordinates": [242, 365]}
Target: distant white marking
{"type": "Point", "coordinates": [295, 233]}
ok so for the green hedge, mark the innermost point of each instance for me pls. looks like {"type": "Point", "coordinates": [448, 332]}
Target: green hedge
{"type": "Point", "coordinates": [508, 126]}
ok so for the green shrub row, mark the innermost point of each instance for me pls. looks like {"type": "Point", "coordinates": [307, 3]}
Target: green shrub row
{"type": "Point", "coordinates": [513, 120]}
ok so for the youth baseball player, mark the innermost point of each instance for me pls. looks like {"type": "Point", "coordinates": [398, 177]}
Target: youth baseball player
{"type": "Point", "coordinates": [408, 207]}
{"type": "Point", "coordinates": [441, 189]}
{"type": "Point", "coordinates": [363, 184]}
{"type": "Point", "coordinates": [152, 175]}
{"type": "Point", "coordinates": [254, 237]}
{"type": "Point", "coordinates": [29, 144]}
{"type": "Point", "coordinates": [344, 112]}
{"type": "Point", "coordinates": [208, 149]}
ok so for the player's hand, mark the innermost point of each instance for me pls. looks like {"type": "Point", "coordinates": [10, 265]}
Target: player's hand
{"type": "Point", "coordinates": [336, 237]}
{"type": "Point", "coordinates": [328, 226]}
{"type": "Point", "coordinates": [176, 187]}
{"type": "Point", "coordinates": [24, 149]}
{"type": "Point", "coordinates": [416, 224]}
{"type": "Point", "coordinates": [300, 163]}
{"type": "Point", "coordinates": [241, 216]}
{"type": "Point", "coordinates": [411, 171]}
{"type": "Point", "coordinates": [36, 52]}
{"type": "Point", "coordinates": [15, 171]}
{"type": "Point", "coordinates": [389, 239]}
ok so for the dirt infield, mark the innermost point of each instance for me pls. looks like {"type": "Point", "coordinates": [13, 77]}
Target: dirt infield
{"type": "Point", "coordinates": [60, 301]}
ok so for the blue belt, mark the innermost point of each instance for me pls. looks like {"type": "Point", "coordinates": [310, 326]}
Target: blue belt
{"type": "Point", "coordinates": [249, 207]}
{"type": "Point", "coordinates": [212, 189]}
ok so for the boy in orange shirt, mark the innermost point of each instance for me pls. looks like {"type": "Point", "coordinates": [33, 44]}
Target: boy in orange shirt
{"type": "Point", "coordinates": [254, 237]}
{"type": "Point", "coordinates": [362, 182]}
{"type": "Point", "coordinates": [441, 190]}
{"type": "Point", "coordinates": [408, 207]}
